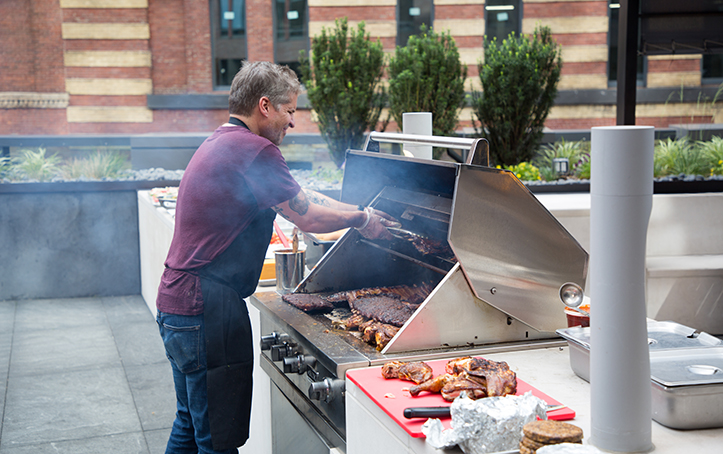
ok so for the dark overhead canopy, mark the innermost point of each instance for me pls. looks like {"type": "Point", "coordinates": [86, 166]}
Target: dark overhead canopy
{"type": "Point", "coordinates": [681, 26]}
{"type": "Point", "coordinates": [666, 27]}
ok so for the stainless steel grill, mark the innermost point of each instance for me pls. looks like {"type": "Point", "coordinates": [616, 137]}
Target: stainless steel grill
{"type": "Point", "coordinates": [497, 289]}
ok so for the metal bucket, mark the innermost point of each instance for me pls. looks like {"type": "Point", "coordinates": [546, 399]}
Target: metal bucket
{"type": "Point", "coordinates": [289, 269]}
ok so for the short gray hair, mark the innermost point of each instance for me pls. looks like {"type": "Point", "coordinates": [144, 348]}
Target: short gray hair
{"type": "Point", "coordinates": [258, 79]}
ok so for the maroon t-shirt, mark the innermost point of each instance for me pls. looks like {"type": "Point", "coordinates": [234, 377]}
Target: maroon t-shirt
{"type": "Point", "coordinates": [233, 176]}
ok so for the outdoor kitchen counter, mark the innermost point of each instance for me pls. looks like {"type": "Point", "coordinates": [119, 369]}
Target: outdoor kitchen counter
{"type": "Point", "coordinates": [369, 429]}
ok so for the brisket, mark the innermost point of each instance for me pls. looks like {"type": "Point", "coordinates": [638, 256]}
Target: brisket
{"type": "Point", "coordinates": [307, 302]}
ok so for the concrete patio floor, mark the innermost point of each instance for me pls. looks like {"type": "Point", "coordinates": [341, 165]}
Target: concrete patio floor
{"type": "Point", "coordinates": [83, 375]}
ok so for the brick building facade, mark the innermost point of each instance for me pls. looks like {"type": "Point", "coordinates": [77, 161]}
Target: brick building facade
{"type": "Point", "coordinates": [152, 66]}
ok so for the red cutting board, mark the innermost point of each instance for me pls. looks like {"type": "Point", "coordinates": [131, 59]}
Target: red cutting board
{"type": "Point", "coordinates": [381, 390]}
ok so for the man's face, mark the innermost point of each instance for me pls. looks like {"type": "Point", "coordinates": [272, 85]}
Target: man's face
{"type": "Point", "coordinates": [279, 120]}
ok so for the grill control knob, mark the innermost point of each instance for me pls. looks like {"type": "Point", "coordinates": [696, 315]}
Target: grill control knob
{"type": "Point", "coordinates": [327, 390]}
{"type": "Point", "coordinates": [279, 352]}
{"type": "Point", "coordinates": [273, 339]}
{"type": "Point", "coordinates": [298, 364]}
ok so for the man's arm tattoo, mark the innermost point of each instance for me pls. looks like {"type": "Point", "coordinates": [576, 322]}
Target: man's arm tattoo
{"type": "Point", "coordinates": [280, 211]}
{"type": "Point", "coordinates": [317, 199]}
{"type": "Point", "coordinates": [299, 204]}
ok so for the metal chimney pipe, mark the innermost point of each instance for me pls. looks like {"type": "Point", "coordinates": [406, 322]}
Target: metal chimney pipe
{"type": "Point", "coordinates": [621, 190]}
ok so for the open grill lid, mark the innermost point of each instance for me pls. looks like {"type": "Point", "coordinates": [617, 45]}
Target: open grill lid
{"type": "Point", "coordinates": [513, 253]}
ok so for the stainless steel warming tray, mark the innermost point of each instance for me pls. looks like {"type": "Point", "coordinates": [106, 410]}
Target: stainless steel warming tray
{"type": "Point", "coordinates": [663, 335]}
{"type": "Point", "coordinates": [688, 387]}
{"type": "Point", "coordinates": [686, 368]}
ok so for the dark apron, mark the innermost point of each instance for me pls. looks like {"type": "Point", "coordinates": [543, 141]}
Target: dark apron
{"type": "Point", "coordinates": [225, 282]}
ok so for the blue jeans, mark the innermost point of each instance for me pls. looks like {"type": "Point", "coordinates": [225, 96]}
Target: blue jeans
{"type": "Point", "coordinates": [185, 342]}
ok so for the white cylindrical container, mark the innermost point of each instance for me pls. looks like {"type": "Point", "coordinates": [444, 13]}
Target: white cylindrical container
{"type": "Point", "coordinates": [418, 123]}
{"type": "Point", "coordinates": [621, 190]}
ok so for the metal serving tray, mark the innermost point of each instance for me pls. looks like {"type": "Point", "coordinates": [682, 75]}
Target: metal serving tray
{"type": "Point", "coordinates": [661, 336]}
{"type": "Point", "coordinates": [686, 373]}
{"type": "Point", "coordinates": [688, 387]}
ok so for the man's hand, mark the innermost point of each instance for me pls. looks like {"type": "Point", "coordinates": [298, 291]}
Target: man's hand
{"type": "Point", "coordinates": [376, 225]}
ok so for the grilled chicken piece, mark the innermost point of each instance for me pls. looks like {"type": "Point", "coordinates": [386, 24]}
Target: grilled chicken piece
{"type": "Point", "coordinates": [434, 385]}
{"type": "Point", "coordinates": [495, 376]}
{"type": "Point", "coordinates": [418, 371]}
{"type": "Point", "coordinates": [384, 334]}
{"type": "Point", "coordinates": [391, 369]}
{"type": "Point", "coordinates": [355, 321]}
{"type": "Point", "coordinates": [458, 365]}
{"type": "Point", "coordinates": [462, 382]}
{"type": "Point", "coordinates": [377, 334]}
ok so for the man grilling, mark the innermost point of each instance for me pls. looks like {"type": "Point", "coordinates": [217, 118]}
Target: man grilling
{"type": "Point", "coordinates": [231, 191]}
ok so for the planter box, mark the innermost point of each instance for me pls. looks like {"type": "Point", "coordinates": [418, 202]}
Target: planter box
{"type": "Point", "coordinates": [63, 240]}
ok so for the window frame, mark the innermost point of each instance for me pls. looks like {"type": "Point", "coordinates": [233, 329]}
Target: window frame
{"type": "Point", "coordinates": [398, 38]}
{"type": "Point", "coordinates": [517, 4]}
{"type": "Point", "coordinates": [233, 48]}
{"type": "Point", "coordinates": [642, 66]}
{"type": "Point", "coordinates": [304, 40]}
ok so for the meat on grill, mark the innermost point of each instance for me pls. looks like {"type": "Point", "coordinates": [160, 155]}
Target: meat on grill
{"type": "Point", "coordinates": [355, 322]}
{"type": "Point", "coordinates": [383, 309]}
{"type": "Point", "coordinates": [412, 294]}
{"type": "Point", "coordinates": [417, 371]}
{"type": "Point", "coordinates": [428, 246]}
{"type": "Point", "coordinates": [308, 302]}
{"type": "Point", "coordinates": [377, 334]}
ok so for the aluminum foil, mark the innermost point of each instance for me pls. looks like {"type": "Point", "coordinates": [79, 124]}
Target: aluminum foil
{"type": "Point", "coordinates": [486, 425]}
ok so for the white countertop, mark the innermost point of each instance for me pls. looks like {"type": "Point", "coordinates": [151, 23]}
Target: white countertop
{"type": "Point", "coordinates": [547, 370]}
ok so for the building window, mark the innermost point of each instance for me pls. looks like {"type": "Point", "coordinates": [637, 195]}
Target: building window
{"type": "Point", "coordinates": [614, 10]}
{"type": "Point", "coordinates": [712, 69]}
{"type": "Point", "coordinates": [502, 17]}
{"type": "Point", "coordinates": [291, 24]}
{"type": "Point", "coordinates": [228, 31]}
{"type": "Point", "coordinates": [411, 15]}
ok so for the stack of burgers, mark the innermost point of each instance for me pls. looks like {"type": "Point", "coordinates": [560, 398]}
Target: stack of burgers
{"type": "Point", "coordinates": [545, 432]}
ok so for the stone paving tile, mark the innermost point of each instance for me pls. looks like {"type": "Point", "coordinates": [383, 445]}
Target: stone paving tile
{"type": "Point", "coordinates": [131, 443]}
{"type": "Point", "coordinates": [126, 308]}
{"type": "Point", "coordinates": [139, 342]}
{"type": "Point", "coordinates": [63, 349]}
{"type": "Point", "coordinates": [44, 314]}
{"type": "Point", "coordinates": [7, 317]}
{"type": "Point", "coordinates": [153, 393]}
{"type": "Point", "coordinates": [83, 375]}
{"type": "Point", "coordinates": [156, 440]}
{"type": "Point", "coordinates": [68, 406]}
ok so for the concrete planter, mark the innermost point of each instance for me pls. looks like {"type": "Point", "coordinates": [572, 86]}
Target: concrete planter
{"type": "Point", "coordinates": [70, 239]}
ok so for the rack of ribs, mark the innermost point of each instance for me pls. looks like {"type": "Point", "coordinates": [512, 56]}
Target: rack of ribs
{"type": "Point", "coordinates": [411, 294]}
{"type": "Point", "coordinates": [384, 309]}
